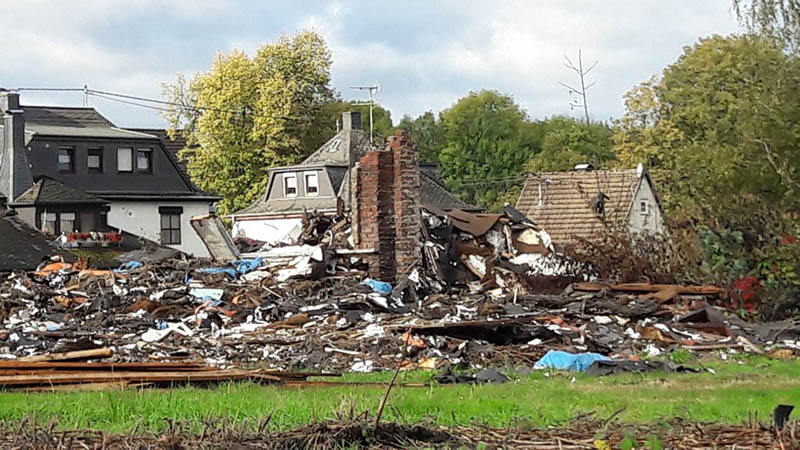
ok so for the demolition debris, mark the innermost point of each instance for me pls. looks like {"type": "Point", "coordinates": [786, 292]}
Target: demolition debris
{"type": "Point", "coordinates": [472, 299]}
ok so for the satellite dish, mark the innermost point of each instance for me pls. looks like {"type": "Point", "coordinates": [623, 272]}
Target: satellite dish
{"type": "Point", "coordinates": [639, 170]}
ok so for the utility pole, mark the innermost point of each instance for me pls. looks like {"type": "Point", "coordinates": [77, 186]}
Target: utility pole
{"type": "Point", "coordinates": [584, 87]}
{"type": "Point", "coordinates": [372, 91]}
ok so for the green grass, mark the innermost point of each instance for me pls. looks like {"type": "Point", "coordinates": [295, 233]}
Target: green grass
{"type": "Point", "coordinates": [735, 391]}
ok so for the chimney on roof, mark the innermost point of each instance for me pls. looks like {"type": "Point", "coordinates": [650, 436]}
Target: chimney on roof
{"type": "Point", "coordinates": [15, 174]}
{"type": "Point", "coordinates": [351, 120]}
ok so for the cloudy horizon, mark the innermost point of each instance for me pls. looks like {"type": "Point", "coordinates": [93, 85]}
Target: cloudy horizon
{"type": "Point", "coordinates": [425, 55]}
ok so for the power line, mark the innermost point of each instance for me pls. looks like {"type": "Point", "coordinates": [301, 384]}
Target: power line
{"type": "Point", "coordinates": [164, 102]}
{"type": "Point", "coordinates": [157, 108]}
{"type": "Point", "coordinates": [116, 96]}
{"type": "Point", "coordinates": [48, 89]}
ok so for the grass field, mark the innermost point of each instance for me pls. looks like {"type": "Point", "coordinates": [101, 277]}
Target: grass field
{"type": "Point", "coordinates": [729, 396]}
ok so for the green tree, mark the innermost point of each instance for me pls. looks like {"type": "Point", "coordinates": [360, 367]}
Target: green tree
{"type": "Point", "coordinates": [325, 123]}
{"type": "Point", "coordinates": [776, 18]}
{"type": "Point", "coordinates": [720, 125]}
{"type": "Point", "coordinates": [247, 114]}
{"type": "Point", "coordinates": [485, 146]}
{"type": "Point", "coordinates": [566, 142]}
{"type": "Point", "coordinates": [427, 132]}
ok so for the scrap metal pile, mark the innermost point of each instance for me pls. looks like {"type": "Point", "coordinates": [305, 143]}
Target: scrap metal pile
{"type": "Point", "coordinates": [472, 300]}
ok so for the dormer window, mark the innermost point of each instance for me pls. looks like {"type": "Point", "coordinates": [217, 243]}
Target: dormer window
{"type": "Point", "coordinates": [66, 159]}
{"type": "Point", "coordinates": [289, 185]}
{"type": "Point", "coordinates": [644, 207]}
{"type": "Point", "coordinates": [94, 160]}
{"type": "Point", "coordinates": [312, 184]}
{"type": "Point", "coordinates": [144, 160]}
{"type": "Point", "coordinates": [124, 160]}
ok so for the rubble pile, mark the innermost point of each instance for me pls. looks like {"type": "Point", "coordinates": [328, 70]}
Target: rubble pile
{"type": "Point", "coordinates": [471, 300]}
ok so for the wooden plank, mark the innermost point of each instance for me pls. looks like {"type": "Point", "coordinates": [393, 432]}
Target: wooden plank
{"type": "Point", "coordinates": [647, 287]}
{"type": "Point", "coordinates": [123, 366]}
{"type": "Point", "coordinates": [112, 386]}
{"type": "Point", "coordinates": [80, 354]}
{"type": "Point", "coordinates": [138, 377]}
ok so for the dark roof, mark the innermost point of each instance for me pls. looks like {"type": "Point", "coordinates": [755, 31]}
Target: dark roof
{"type": "Point", "coordinates": [22, 247]}
{"type": "Point", "coordinates": [74, 122]}
{"type": "Point", "coordinates": [342, 149]}
{"type": "Point", "coordinates": [47, 191]}
{"type": "Point", "coordinates": [434, 193]}
{"type": "Point", "coordinates": [565, 210]}
{"type": "Point", "coordinates": [173, 147]}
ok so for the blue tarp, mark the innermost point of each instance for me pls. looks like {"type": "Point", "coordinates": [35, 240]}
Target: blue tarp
{"type": "Point", "coordinates": [244, 266]}
{"type": "Point", "coordinates": [379, 287]}
{"type": "Point", "coordinates": [128, 266]}
{"type": "Point", "coordinates": [556, 359]}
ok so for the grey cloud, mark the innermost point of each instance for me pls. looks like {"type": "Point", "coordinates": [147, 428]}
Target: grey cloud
{"type": "Point", "coordinates": [425, 54]}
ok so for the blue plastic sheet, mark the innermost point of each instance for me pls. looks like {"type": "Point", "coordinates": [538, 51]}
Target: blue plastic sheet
{"type": "Point", "coordinates": [244, 266]}
{"type": "Point", "coordinates": [379, 287]}
{"type": "Point", "coordinates": [556, 359]}
{"type": "Point", "coordinates": [128, 266]}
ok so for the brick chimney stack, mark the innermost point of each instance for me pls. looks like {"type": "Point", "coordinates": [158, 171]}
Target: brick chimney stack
{"type": "Point", "coordinates": [15, 174]}
{"type": "Point", "coordinates": [386, 203]}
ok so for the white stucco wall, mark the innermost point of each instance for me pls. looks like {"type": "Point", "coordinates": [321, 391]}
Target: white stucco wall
{"type": "Point", "coordinates": [271, 231]}
{"type": "Point", "coordinates": [652, 221]}
{"type": "Point", "coordinates": [143, 219]}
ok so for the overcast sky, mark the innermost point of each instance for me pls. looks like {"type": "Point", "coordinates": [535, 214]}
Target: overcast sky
{"type": "Point", "coordinates": [425, 54]}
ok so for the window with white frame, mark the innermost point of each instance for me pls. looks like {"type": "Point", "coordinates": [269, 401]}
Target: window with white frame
{"type": "Point", "coordinates": [312, 183]}
{"type": "Point", "coordinates": [124, 160]}
{"type": "Point", "coordinates": [289, 185]}
{"type": "Point", "coordinates": [49, 220]}
{"type": "Point", "coordinates": [644, 207]}
{"type": "Point", "coordinates": [66, 222]}
{"type": "Point", "coordinates": [144, 160]}
{"type": "Point", "coordinates": [66, 159]}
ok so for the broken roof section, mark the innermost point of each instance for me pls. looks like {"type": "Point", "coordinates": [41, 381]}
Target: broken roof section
{"type": "Point", "coordinates": [22, 247]}
{"type": "Point", "coordinates": [47, 191]}
{"type": "Point", "coordinates": [562, 202]}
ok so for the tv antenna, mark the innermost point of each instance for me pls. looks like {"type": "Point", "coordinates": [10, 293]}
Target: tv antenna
{"type": "Point", "coordinates": [372, 91]}
{"type": "Point", "coordinates": [581, 91]}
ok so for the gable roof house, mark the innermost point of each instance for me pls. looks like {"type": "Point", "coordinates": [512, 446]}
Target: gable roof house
{"type": "Point", "coordinates": [583, 202]}
{"type": "Point", "coordinates": [70, 169]}
{"type": "Point", "coordinates": [321, 182]}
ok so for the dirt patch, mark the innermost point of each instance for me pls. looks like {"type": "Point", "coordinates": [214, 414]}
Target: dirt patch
{"type": "Point", "coordinates": [584, 434]}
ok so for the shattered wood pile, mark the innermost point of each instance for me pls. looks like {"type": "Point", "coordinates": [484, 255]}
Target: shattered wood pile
{"type": "Point", "coordinates": [473, 300]}
{"type": "Point", "coordinates": [62, 372]}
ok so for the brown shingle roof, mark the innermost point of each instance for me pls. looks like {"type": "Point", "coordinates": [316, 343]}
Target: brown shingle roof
{"type": "Point", "coordinates": [565, 211]}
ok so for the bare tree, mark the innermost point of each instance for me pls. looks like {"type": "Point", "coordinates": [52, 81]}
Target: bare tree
{"type": "Point", "coordinates": [777, 18]}
{"type": "Point", "coordinates": [580, 92]}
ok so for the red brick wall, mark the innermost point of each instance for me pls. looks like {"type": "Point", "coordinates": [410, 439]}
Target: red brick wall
{"type": "Point", "coordinates": [386, 208]}
{"type": "Point", "coordinates": [406, 203]}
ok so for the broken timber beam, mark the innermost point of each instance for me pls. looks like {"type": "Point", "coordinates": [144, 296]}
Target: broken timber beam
{"type": "Point", "coordinates": [80, 354]}
{"type": "Point", "coordinates": [647, 287]}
